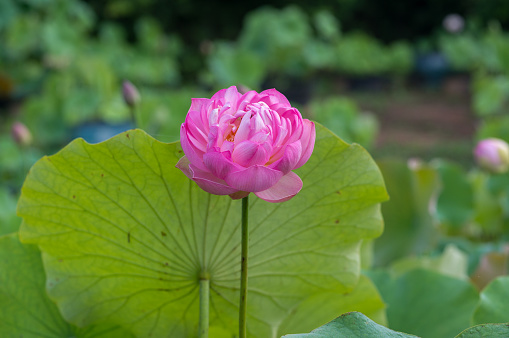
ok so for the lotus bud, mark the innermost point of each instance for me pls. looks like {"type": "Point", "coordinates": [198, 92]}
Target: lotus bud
{"type": "Point", "coordinates": [453, 23]}
{"type": "Point", "coordinates": [492, 154]}
{"type": "Point", "coordinates": [20, 134]}
{"type": "Point", "coordinates": [130, 93]}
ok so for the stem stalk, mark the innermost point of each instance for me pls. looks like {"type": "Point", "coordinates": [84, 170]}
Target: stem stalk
{"type": "Point", "coordinates": [204, 308]}
{"type": "Point", "coordinates": [243, 269]}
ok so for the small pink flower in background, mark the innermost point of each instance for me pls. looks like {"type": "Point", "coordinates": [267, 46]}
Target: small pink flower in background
{"type": "Point", "coordinates": [20, 134]}
{"type": "Point", "coordinates": [235, 144]}
{"type": "Point", "coordinates": [130, 93]}
{"type": "Point", "coordinates": [453, 23]}
{"type": "Point", "coordinates": [492, 154]}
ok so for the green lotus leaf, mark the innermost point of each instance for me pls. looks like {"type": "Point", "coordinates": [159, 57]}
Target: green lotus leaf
{"type": "Point", "coordinates": [494, 304]}
{"type": "Point", "coordinates": [26, 309]}
{"type": "Point", "coordinates": [427, 303]}
{"type": "Point", "coordinates": [351, 325]}
{"type": "Point", "coordinates": [127, 237]}
{"type": "Point", "coordinates": [455, 203]}
{"type": "Point", "coordinates": [452, 262]}
{"type": "Point", "coordinates": [364, 298]}
{"type": "Point", "coordinates": [9, 222]}
{"type": "Point", "coordinates": [409, 228]}
{"type": "Point", "coordinates": [486, 330]}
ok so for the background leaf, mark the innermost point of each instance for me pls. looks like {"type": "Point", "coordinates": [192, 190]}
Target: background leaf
{"type": "Point", "coordinates": [126, 237]}
{"type": "Point", "coordinates": [353, 324]}
{"type": "Point", "coordinates": [494, 304]}
{"type": "Point", "coordinates": [9, 222]}
{"type": "Point", "coordinates": [408, 224]}
{"type": "Point", "coordinates": [486, 330]}
{"type": "Point", "coordinates": [364, 298]}
{"type": "Point", "coordinates": [427, 303]}
{"type": "Point", "coordinates": [455, 203]}
{"type": "Point", "coordinates": [452, 262]}
{"type": "Point", "coordinates": [26, 309]}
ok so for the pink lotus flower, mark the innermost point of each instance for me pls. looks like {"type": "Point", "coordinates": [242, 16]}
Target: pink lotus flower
{"type": "Point", "coordinates": [235, 144]}
{"type": "Point", "coordinates": [492, 154]}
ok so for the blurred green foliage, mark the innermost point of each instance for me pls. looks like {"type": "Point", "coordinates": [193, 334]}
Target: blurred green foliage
{"type": "Point", "coordinates": [444, 249]}
{"type": "Point", "coordinates": [439, 203]}
{"type": "Point", "coordinates": [278, 44]}
{"type": "Point", "coordinates": [343, 117]}
{"type": "Point", "coordinates": [61, 68]}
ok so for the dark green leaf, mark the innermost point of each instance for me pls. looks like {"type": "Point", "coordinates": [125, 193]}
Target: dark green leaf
{"type": "Point", "coordinates": [486, 331]}
{"type": "Point", "coordinates": [427, 303]}
{"type": "Point", "coordinates": [494, 304]}
{"type": "Point", "coordinates": [351, 325]}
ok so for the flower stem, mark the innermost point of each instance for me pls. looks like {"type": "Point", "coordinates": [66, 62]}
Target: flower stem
{"type": "Point", "coordinates": [243, 270]}
{"type": "Point", "coordinates": [134, 117]}
{"type": "Point", "coordinates": [204, 308]}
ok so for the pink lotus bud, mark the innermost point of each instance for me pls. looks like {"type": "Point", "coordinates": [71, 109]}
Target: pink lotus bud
{"type": "Point", "coordinates": [453, 23]}
{"type": "Point", "coordinates": [130, 93]}
{"type": "Point", "coordinates": [20, 134]}
{"type": "Point", "coordinates": [492, 154]}
{"type": "Point", "coordinates": [237, 143]}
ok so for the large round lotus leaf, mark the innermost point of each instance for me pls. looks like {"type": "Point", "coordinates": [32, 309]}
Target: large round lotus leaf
{"type": "Point", "coordinates": [126, 236]}
{"type": "Point", "coordinates": [351, 325]}
{"type": "Point", "coordinates": [26, 310]}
